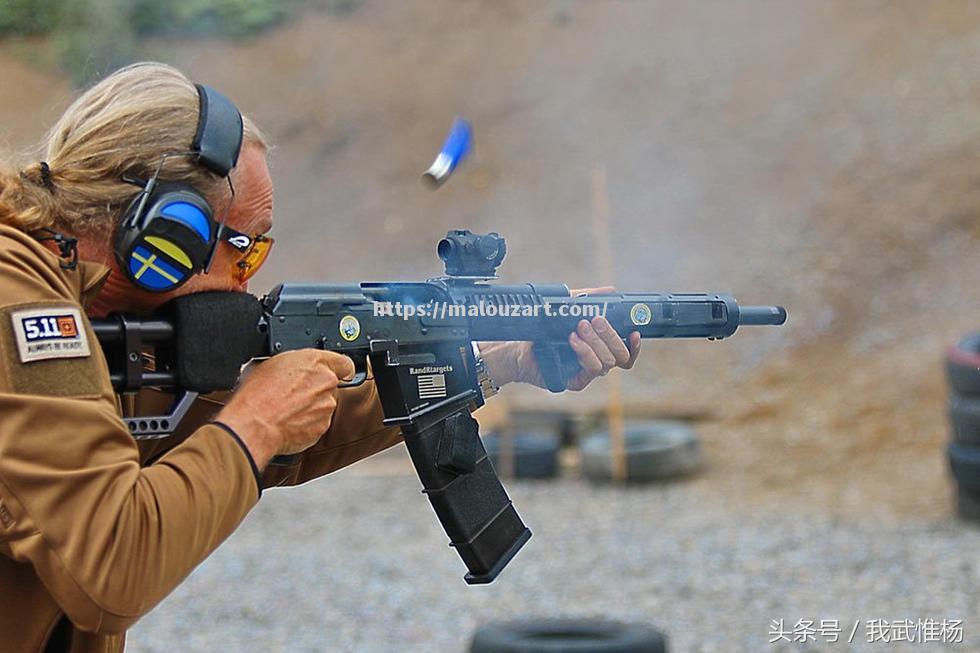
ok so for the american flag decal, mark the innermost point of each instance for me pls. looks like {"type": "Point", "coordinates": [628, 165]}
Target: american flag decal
{"type": "Point", "coordinates": [432, 386]}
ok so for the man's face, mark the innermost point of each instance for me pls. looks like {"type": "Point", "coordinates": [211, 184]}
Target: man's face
{"type": "Point", "coordinates": [250, 213]}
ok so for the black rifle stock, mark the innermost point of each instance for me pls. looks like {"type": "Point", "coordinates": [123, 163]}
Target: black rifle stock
{"type": "Point", "coordinates": [416, 338]}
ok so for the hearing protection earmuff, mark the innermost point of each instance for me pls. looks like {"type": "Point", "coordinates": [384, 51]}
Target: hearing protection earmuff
{"type": "Point", "coordinates": [169, 233]}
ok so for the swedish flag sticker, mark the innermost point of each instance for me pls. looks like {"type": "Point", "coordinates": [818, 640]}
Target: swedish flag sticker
{"type": "Point", "coordinates": [152, 271]}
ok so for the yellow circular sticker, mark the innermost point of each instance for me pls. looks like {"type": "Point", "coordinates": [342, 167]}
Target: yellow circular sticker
{"type": "Point", "coordinates": [641, 314]}
{"type": "Point", "coordinates": [350, 328]}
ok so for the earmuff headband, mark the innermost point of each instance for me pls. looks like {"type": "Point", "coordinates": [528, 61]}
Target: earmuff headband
{"type": "Point", "coordinates": [218, 140]}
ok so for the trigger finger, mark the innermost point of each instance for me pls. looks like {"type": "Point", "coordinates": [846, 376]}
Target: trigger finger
{"type": "Point", "coordinates": [346, 369]}
{"type": "Point", "coordinates": [340, 365]}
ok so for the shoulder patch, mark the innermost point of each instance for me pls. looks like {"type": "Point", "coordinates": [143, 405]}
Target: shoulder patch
{"type": "Point", "coordinates": [47, 333]}
{"type": "Point", "coordinates": [48, 348]}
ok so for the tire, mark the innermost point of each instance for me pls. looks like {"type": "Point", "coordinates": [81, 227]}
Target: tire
{"type": "Point", "coordinates": [535, 454]}
{"type": "Point", "coordinates": [964, 415]}
{"type": "Point", "coordinates": [567, 635]}
{"type": "Point", "coordinates": [655, 450]}
{"type": "Point", "coordinates": [964, 462]}
{"type": "Point", "coordinates": [562, 423]}
{"type": "Point", "coordinates": [967, 505]}
{"type": "Point", "coordinates": [963, 365]}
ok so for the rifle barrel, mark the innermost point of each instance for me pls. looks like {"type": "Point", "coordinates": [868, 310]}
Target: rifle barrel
{"type": "Point", "coordinates": [761, 315]}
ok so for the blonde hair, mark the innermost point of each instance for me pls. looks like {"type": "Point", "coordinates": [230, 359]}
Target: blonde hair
{"type": "Point", "coordinates": [121, 126]}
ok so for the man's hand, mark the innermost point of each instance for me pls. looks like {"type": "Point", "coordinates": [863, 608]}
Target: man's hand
{"type": "Point", "coordinates": [287, 402]}
{"type": "Point", "coordinates": [597, 345]}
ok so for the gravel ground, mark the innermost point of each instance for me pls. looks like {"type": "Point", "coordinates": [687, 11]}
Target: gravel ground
{"type": "Point", "coordinates": [357, 562]}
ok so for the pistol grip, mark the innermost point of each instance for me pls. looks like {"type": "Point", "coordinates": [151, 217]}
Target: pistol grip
{"type": "Point", "coordinates": [558, 363]}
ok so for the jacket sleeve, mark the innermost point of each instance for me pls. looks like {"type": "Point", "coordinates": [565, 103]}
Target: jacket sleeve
{"type": "Point", "coordinates": [356, 433]}
{"type": "Point", "coordinates": [108, 538]}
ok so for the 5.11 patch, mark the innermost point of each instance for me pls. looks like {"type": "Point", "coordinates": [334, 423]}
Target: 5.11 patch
{"type": "Point", "coordinates": [49, 333]}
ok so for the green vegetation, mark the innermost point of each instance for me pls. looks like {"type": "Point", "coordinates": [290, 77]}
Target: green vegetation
{"type": "Point", "coordinates": [87, 38]}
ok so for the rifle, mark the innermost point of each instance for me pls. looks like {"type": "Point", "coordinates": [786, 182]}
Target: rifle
{"type": "Point", "coordinates": [416, 337]}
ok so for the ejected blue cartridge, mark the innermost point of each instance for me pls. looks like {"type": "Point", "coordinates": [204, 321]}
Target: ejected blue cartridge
{"type": "Point", "coordinates": [454, 150]}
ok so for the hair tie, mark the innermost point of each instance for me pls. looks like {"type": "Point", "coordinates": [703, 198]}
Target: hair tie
{"type": "Point", "coordinates": [46, 175]}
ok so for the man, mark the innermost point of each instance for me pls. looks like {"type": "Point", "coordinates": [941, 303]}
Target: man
{"type": "Point", "coordinates": [93, 531]}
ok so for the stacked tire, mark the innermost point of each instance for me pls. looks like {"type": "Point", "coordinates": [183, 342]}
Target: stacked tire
{"type": "Point", "coordinates": [963, 374]}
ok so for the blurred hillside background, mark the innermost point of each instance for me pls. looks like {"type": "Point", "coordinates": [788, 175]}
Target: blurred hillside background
{"type": "Point", "coordinates": [824, 156]}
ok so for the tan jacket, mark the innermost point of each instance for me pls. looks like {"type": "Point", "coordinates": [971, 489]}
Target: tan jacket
{"type": "Point", "coordinates": [88, 531]}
